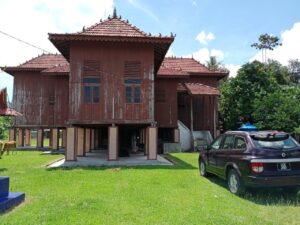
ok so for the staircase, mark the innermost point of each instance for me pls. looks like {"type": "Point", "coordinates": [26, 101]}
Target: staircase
{"type": "Point", "coordinates": [8, 199]}
{"type": "Point", "coordinates": [198, 137]}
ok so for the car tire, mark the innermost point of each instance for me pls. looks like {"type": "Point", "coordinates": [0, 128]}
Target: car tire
{"type": "Point", "coordinates": [202, 169]}
{"type": "Point", "coordinates": [235, 183]}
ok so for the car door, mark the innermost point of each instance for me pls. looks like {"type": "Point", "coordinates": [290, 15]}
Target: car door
{"type": "Point", "coordinates": [222, 156]}
{"type": "Point", "coordinates": [213, 154]}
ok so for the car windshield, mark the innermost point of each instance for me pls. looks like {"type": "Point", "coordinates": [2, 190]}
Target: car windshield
{"type": "Point", "coordinates": [281, 144]}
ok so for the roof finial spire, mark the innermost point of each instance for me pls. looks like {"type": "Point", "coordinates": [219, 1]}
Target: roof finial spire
{"type": "Point", "coordinates": [115, 13]}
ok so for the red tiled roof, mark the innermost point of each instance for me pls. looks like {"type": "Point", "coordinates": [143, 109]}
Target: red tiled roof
{"type": "Point", "coordinates": [201, 89]}
{"type": "Point", "coordinates": [187, 66]}
{"type": "Point", "coordinates": [181, 87]}
{"type": "Point", "coordinates": [3, 96]}
{"type": "Point", "coordinates": [44, 61]}
{"type": "Point", "coordinates": [57, 70]}
{"type": "Point", "coordinates": [38, 63]}
{"type": "Point", "coordinates": [4, 110]}
{"type": "Point", "coordinates": [9, 112]}
{"type": "Point", "coordinates": [165, 71]}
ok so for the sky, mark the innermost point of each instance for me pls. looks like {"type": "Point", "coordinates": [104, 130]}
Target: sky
{"type": "Point", "coordinates": [203, 28]}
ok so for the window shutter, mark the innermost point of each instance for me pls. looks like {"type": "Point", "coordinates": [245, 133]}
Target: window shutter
{"type": "Point", "coordinates": [91, 68]}
{"type": "Point", "coordinates": [132, 69]}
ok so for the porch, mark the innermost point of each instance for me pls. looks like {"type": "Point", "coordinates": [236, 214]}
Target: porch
{"type": "Point", "coordinates": [98, 158]}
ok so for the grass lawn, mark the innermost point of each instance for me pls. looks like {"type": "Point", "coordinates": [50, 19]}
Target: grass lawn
{"type": "Point", "coordinates": [137, 195]}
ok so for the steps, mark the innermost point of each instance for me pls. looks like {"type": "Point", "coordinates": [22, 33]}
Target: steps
{"type": "Point", "coordinates": [8, 200]}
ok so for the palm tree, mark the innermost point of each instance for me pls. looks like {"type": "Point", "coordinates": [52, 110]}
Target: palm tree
{"type": "Point", "coordinates": [213, 64]}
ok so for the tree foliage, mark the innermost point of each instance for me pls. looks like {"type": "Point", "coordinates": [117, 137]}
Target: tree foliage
{"type": "Point", "coordinates": [294, 69]}
{"type": "Point", "coordinates": [5, 123]}
{"type": "Point", "coordinates": [214, 65]}
{"type": "Point", "coordinates": [261, 94]}
{"type": "Point", "coordinates": [279, 110]}
{"type": "Point", "coordinates": [266, 42]}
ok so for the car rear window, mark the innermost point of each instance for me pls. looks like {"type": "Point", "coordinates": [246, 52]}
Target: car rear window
{"type": "Point", "coordinates": [274, 141]}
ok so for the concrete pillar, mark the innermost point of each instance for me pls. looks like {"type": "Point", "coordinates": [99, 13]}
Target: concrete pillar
{"type": "Point", "coordinates": [176, 135]}
{"type": "Point", "coordinates": [64, 138]}
{"type": "Point", "coordinates": [40, 138]}
{"type": "Point", "coordinates": [20, 137]}
{"type": "Point", "coordinates": [27, 137]}
{"type": "Point", "coordinates": [96, 137]}
{"type": "Point", "coordinates": [92, 139]}
{"type": "Point", "coordinates": [12, 134]}
{"type": "Point", "coordinates": [146, 140]}
{"type": "Point", "coordinates": [87, 141]}
{"type": "Point", "coordinates": [80, 142]}
{"type": "Point", "coordinates": [113, 144]}
{"type": "Point", "coordinates": [71, 141]}
{"type": "Point", "coordinates": [54, 138]}
{"type": "Point", "coordinates": [152, 143]}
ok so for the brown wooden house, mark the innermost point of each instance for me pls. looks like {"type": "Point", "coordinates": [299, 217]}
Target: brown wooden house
{"type": "Point", "coordinates": [112, 88]}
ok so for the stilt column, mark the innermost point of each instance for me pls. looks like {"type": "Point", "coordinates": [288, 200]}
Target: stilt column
{"type": "Point", "coordinates": [12, 135]}
{"type": "Point", "coordinates": [64, 138]}
{"type": "Point", "coordinates": [113, 144]}
{"type": "Point", "coordinates": [92, 139]}
{"type": "Point", "coordinates": [27, 137]}
{"type": "Point", "coordinates": [40, 138]}
{"type": "Point", "coordinates": [80, 142]}
{"type": "Point", "coordinates": [71, 142]}
{"type": "Point", "coordinates": [55, 140]}
{"type": "Point", "coordinates": [20, 138]}
{"type": "Point", "coordinates": [152, 143]}
{"type": "Point", "coordinates": [87, 144]}
{"type": "Point", "coordinates": [176, 135]}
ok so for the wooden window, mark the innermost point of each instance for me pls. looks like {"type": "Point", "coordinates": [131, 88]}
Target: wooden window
{"type": "Point", "coordinates": [137, 94]}
{"type": "Point", "coordinates": [128, 94]}
{"type": "Point", "coordinates": [160, 96]}
{"type": "Point", "coordinates": [132, 69]}
{"type": "Point", "coordinates": [91, 93]}
{"type": "Point", "coordinates": [133, 90]}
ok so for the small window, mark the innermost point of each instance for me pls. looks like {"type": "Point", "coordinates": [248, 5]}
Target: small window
{"type": "Point", "coordinates": [128, 94]}
{"type": "Point", "coordinates": [96, 94]}
{"type": "Point", "coordinates": [216, 144]}
{"type": "Point", "coordinates": [133, 81]}
{"type": "Point", "coordinates": [228, 142]}
{"type": "Point", "coordinates": [87, 94]}
{"type": "Point", "coordinates": [137, 95]}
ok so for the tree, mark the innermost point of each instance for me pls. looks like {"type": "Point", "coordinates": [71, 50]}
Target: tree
{"type": "Point", "coordinates": [254, 80]}
{"type": "Point", "coordinates": [294, 69]}
{"type": "Point", "coordinates": [5, 123]}
{"type": "Point", "coordinates": [279, 110]}
{"type": "Point", "coordinates": [266, 42]}
{"type": "Point", "coordinates": [214, 65]}
{"type": "Point", "coordinates": [279, 72]}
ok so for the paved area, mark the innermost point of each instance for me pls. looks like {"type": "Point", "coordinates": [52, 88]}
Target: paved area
{"type": "Point", "coordinates": [99, 158]}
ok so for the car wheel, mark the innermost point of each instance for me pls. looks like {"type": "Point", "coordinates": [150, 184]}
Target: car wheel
{"type": "Point", "coordinates": [202, 169]}
{"type": "Point", "coordinates": [235, 184]}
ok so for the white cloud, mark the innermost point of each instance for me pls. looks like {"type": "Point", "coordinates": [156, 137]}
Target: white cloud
{"type": "Point", "coordinates": [203, 54]}
{"type": "Point", "coordinates": [233, 69]}
{"type": "Point", "coordinates": [204, 38]}
{"type": "Point", "coordinates": [290, 48]}
{"type": "Point", "coordinates": [32, 20]}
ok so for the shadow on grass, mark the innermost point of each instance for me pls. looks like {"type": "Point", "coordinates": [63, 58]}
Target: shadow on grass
{"type": "Point", "coordinates": [177, 164]}
{"type": "Point", "coordinates": [3, 169]}
{"type": "Point", "coordinates": [263, 196]}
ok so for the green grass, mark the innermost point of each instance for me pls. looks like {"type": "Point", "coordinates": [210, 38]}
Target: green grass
{"type": "Point", "coordinates": [137, 195]}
